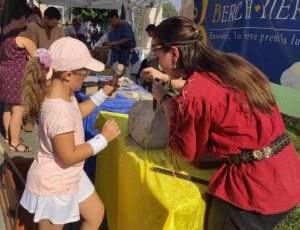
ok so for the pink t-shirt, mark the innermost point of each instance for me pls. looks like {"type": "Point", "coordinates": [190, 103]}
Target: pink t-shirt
{"type": "Point", "coordinates": [48, 176]}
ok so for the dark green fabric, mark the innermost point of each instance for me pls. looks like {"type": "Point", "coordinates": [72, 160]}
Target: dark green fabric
{"type": "Point", "coordinates": [5, 16]}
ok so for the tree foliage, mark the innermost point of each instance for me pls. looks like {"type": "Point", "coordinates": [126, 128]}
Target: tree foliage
{"type": "Point", "coordinates": [169, 10]}
{"type": "Point", "coordinates": [138, 23]}
{"type": "Point", "coordinates": [96, 16]}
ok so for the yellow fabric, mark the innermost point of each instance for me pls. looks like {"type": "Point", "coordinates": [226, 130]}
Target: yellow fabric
{"type": "Point", "coordinates": [137, 198]}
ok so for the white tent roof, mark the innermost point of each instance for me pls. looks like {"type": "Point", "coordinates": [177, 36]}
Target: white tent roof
{"type": "Point", "coordinates": [101, 4]}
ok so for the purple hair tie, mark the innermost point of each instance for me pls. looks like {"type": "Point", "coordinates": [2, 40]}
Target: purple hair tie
{"type": "Point", "coordinates": [45, 60]}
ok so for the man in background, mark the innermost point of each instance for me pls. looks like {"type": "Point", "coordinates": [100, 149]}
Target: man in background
{"type": "Point", "coordinates": [33, 18]}
{"type": "Point", "coordinates": [71, 30]}
{"type": "Point", "coordinates": [151, 60]}
{"type": "Point", "coordinates": [46, 31]}
{"type": "Point", "coordinates": [94, 36]}
{"type": "Point", "coordinates": [122, 43]}
{"type": "Point", "coordinates": [82, 31]}
{"type": "Point", "coordinates": [43, 33]}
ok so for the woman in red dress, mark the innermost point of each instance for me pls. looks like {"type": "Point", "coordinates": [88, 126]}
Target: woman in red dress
{"type": "Point", "coordinates": [14, 44]}
{"type": "Point", "coordinates": [226, 107]}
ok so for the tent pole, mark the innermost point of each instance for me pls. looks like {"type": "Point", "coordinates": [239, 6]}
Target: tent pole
{"type": "Point", "coordinates": [63, 16]}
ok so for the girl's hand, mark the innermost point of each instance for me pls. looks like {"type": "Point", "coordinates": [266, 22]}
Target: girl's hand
{"type": "Point", "coordinates": [110, 130]}
{"type": "Point", "coordinates": [149, 74]}
{"type": "Point", "coordinates": [158, 91]}
{"type": "Point", "coordinates": [108, 89]}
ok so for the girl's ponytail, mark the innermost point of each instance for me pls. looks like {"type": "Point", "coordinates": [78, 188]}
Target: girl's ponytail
{"type": "Point", "coordinates": [37, 81]}
{"type": "Point", "coordinates": [34, 87]}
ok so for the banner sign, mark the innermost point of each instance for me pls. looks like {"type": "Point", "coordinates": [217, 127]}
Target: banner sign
{"type": "Point", "coordinates": [265, 32]}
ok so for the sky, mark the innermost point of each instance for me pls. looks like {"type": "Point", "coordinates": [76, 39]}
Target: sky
{"type": "Point", "coordinates": [176, 3]}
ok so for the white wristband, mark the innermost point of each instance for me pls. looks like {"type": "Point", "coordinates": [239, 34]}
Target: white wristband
{"type": "Point", "coordinates": [98, 143]}
{"type": "Point", "coordinates": [98, 98]}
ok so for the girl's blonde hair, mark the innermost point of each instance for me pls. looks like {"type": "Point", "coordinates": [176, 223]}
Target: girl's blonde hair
{"type": "Point", "coordinates": [35, 86]}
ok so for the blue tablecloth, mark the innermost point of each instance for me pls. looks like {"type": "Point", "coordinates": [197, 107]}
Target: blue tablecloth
{"type": "Point", "coordinates": [120, 104]}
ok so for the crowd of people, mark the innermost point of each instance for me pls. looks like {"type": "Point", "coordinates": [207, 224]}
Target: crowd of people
{"type": "Point", "coordinates": [224, 106]}
{"type": "Point", "coordinates": [89, 35]}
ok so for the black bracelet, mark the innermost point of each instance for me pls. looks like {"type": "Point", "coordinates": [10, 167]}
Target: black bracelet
{"type": "Point", "coordinates": [165, 97]}
{"type": "Point", "coordinates": [170, 83]}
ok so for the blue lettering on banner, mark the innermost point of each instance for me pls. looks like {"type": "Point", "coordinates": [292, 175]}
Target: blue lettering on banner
{"type": "Point", "coordinates": [265, 32]}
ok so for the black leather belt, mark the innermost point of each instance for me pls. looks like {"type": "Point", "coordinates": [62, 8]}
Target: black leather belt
{"type": "Point", "coordinates": [248, 156]}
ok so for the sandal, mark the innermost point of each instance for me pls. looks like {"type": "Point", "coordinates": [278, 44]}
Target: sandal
{"type": "Point", "coordinates": [26, 150]}
{"type": "Point", "coordinates": [7, 139]}
{"type": "Point", "coordinates": [22, 140]}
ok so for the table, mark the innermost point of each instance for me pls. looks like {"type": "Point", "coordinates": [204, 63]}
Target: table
{"type": "Point", "coordinates": [120, 104]}
{"type": "Point", "coordinates": [137, 198]}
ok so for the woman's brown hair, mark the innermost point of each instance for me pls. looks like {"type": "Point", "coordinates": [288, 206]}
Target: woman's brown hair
{"type": "Point", "coordinates": [35, 86]}
{"type": "Point", "coordinates": [236, 73]}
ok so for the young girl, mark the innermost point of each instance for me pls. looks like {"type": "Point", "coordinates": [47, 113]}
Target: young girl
{"type": "Point", "coordinates": [226, 107]}
{"type": "Point", "coordinates": [58, 190]}
{"type": "Point", "coordinates": [14, 44]}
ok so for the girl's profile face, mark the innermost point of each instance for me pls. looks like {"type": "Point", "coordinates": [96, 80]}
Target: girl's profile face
{"type": "Point", "coordinates": [76, 81]}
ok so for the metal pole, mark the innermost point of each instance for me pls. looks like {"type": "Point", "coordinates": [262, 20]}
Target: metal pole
{"type": "Point", "coordinates": [63, 15]}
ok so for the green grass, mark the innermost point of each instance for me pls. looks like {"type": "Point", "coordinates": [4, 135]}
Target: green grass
{"type": "Point", "coordinates": [292, 221]}
{"type": "Point", "coordinates": [294, 133]}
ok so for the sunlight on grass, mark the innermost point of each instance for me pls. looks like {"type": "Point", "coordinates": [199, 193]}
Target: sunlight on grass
{"type": "Point", "coordinates": [292, 221]}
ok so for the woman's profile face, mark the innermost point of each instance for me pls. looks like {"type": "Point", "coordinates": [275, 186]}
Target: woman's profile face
{"type": "Point", "coordinates": [165, 57]}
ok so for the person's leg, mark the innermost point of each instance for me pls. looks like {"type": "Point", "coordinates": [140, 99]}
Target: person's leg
{"type": "Point", "coordinates": [92, 211]}
{"type": "Point", "coordinates": [47, 225]}
{"type": "Point", "coordinates": [217, 214]}
{"type": "Point", "coordinates": [15, 127]}
{"type": "Point", "coordinates": [81, 37]}
{"type": "Point", "coordinates": [27, 120]}
{"type": "Point", "coordinates": [225, 216]}
{"type": "Point", "coordinates": [28, 127]}
{"type": "Point", "coordinates": [6, 121]}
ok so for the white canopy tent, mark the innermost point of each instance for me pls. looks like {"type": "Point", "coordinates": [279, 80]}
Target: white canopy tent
{"type": "Point", "coordinates": [187, 8]}
{"type": "Point", "coordinates": [129, 5]}
{"type": "Point", "coordinates": [149, 16]}
{"type": "Point", "coordinates": [102, 4]}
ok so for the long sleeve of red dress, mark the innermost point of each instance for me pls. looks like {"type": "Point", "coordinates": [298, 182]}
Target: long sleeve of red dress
{"type": "Point", "coordinates": [209, 119]}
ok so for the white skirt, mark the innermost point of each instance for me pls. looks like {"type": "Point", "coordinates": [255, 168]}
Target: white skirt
{"type": "Point", "coordinates": [58, 209]}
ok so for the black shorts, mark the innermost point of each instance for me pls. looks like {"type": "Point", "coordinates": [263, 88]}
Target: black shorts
{"type": "Point", "coordinates": [225, 216]}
